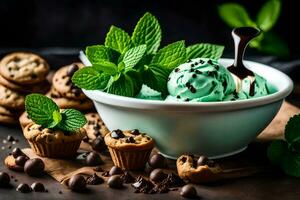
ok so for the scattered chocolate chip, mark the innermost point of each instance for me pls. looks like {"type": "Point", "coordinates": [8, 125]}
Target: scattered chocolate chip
{"type": "Point", "coordinates": [130, 140]}
{"type": "Point", "coordinates": [135, 132]}
{"type": "Point", "coordinates": [98, 169]}
{"type": "Point", "coordinates": [115, 170]}
{"type": "Point", "coordinates": [10, 138]}
{"type": "Point", "coordinates": [157, 161]}
{"type": "Point", "coordinates": [77, 183]}
{"type": "Point", "coordinates": [115, 182]}
{"type": "Point", "coordinates": [188, 191]}
{"type": "Point", "coordinates": [72, 69]}
{"type": "Point", "coordinates": [98, 144]}
{"type": "Point", "coordinates": [93, 159]}
{"type": "Point", "coordinates": [60, 192]}
{"type": "Point", "coordinates": [4, 179]}
{"type": "Point", "coordinates": [127, 178]}
{"type": "Point", "coordinates": [16, 152]}
{"type": "Point", "coordinates": [38, 187]}
{"type": "Point", "coordinates": [142, 185]}
{"type": "Point", "coordinates": [94, 180]}
{"type": "Point", "coordinates": [157, 175]}
{"type": "Point", "coordinates": [21, 160]}
{"type": "Point", "coordinates": [117, 134]}
{"type": "Point", "coordinates": [24, 188]}
{"type": "Point", "coordinates": [34, 167]}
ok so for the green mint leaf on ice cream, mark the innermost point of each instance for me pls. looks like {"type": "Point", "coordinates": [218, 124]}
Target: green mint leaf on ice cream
{"type": "Point", "coordinates": [43, 111]}
{"type": "Point", "coordinates": [134, 55]}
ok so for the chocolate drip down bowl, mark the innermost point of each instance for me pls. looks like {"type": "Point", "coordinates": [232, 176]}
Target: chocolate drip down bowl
{"type": "Point", "coordinates": [214, 129]}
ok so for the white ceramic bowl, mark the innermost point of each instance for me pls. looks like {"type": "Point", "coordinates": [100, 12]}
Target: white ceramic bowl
{"type": "Point", "coordinates": [215, 129]}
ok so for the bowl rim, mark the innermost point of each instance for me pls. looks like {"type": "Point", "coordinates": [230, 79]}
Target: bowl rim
{"type": "Point", "coordinates": [134, 103]}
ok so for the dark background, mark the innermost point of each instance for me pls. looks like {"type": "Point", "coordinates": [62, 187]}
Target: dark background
{"type": "Point", "coordinates": [75, 23]}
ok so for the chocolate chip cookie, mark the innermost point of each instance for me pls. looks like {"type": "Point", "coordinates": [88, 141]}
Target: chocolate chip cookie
{"type": "Point", "coordinates": [63, 84]}
{"type": "Point", "coordinates": [24, 68]}
{"type": "Point", "coordinates": [95, 126]}
{"type": "Point", "coordinates": [11, 99]}
{"type": "Point", "coordinates": [7, 116]}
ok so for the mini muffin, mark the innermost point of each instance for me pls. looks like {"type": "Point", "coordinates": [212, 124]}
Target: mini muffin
{"type": "Point", "coordinates": [53, 143]}
{"type": "Point", "coordinates": [129, 150]}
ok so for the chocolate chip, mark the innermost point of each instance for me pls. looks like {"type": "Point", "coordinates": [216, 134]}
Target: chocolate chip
{"type": "Point", "coordinates": [94, 180]}
{"type": "Point", "coordinates": [4, 179]}
{"type": "Point", "coordinates": [130, 140]}
{"type": "Point", "coordinates": [198, 72]}
{"type": "Point", "coordinates": [38, 187]}
{"type": "Point", "coordinates": [187, 84]}
{"type": "Point", "coordinates": [34, 76]}
{"type": "Point", "coordinates": [157, 176]}
{"type": "Point", "coordinates": [21, 160]}
{"type": "Point", "coordinates": [16, 152]}
{"type": "Point", "coordinates": [194, 76]}
{"type": "Point", "coordinates": [93, 159]}
{"type": "Point", "coordinates": [135, 132]}
{"type": "Point", "coordinates": [115, 170]}
{"type": "Point", "coordinates": [77, 183]}
{"type": "Point", "coordinates": [60, 192]}
{"type": "Point", "coordinates": [192, 70]}
{"type": "Point", "coordinates": [157, 161]}
{"type": "Point", "coordinates": [210, 62]}
{"type": "Point", "coordinates": [187, 99]}
{"type": "Point", "coordinates": [76, 91]}
{"type": "Point", "coordinates": [24, 188]}
{"type": "Point", "coordinates": [192, 89]}
{"type": "Point", "coordinates": [193, 65]}
{"type": "Point", "coordinates": [10, 138]}
{"type": "Point", "coordinates": [98, 144]}
{"type": "Point", "coordinates": [201, 61]}
{"type": "Point", "coordinates": [169, 78]}
{"type": "Point", "coordinates": [72, 69]}
{"type": "Point", "coordinates": [142, 185]}
{"type": "Point", "coordinates": [97, 133]}
{"type": "Point", "coordinates": [188, 191]}
{"type": "Point", "coordinates": [177, 70]}
{"type": "Point", "coordinates": [117, 134]}
{"type": "Point", "coordinates": [34, 167]}
{"type": "Point", "coordinates": [127, 178]}
{"type": "Point", "coordinates": [96, 126]}
{"type": "Point", "coordinates": [115, 182]}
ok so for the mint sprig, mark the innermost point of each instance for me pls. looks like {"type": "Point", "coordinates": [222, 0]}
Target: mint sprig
{"type": "Point", "coordinates": [43, 111]}
{"type": "Point", "coordinates": [286, 153]}
{"type": "Point", "coordinates": [134, 55]}
{"type": "Point", "coordinates": [98, 53]}
{"type": "Point", "coordinates": [118, 39]}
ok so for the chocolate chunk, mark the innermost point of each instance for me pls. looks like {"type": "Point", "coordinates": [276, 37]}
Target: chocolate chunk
{"type": "Point", "coordinates": [192, 89]}
{"type": "Point", "coordinates": [187, 84]}
{"type": "Point", "coordinates": [188, 191]}
{"type": "Point", "coordinates": [210, 62]}
{"type": "Point", "coordinates": [4, 179]}
{"type": "Point", "coordinates": [93, 159]}
{"type": "Point", "coordinates": [98, 144]}
{"type": "Point", "coordinates": [72, 69]}
{"type": "Point", "coordinates": [192, 65]}
{"type": "Point", "coordinates": [34, 167]}
{"type": "Point", "coordinates": [21, 160]}
{"type": "Point", "coordinates": [77, 183]}
{"type": "Point", "coordinates": [24, 188]}
{"type": "Point", "coordinates": [161, 188]}
{"type": "Point", "coordinates": [173, 181]}
{"type": "Point", "coordinates": [127, 178]}
{"type": "Point", "coordinates": [142, 185]}
{"type": "Point", "coordinates": [178, 96]}
{"type": "Point", "coordinates": [157, 161]}
{"type": "Point", "coordinates": [130, 140]}
{"type": "Point", "coordinates": [10, 138]}
{"type": "Point", "coordinates": [115, 182]}
{"type": "Point", "coordinates": [194, 76]}
{"type": "Point", "coordinates": [16, 152]}
{"type": "Point", "coordinates": [38, 187]}
{"type": "Point", "coordinates": [117, 134]}
{"type": "Point", "coordinates": [157, 176]}
{"type": "Point", "coordinates": [94, 180]}
{"type": "Point", "coordinates": [135, 132]}
{"type": "Point", "coordinates": [201, 61]}
{"type": "Point", "coordinates": [115, 170]}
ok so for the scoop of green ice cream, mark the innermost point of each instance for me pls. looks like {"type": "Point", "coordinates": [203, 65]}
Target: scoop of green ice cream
{"type": "Point", "coordinates": [260, 87]}
{"type": "Point", "coordinates": [149, 94]}
{"type": "Point", "coordinates": [200, 80]}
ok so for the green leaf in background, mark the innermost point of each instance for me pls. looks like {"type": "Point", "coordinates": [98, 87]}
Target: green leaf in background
{"type": "Point", "coordinates": [147, 31]}
{"type": "Point", "coordinates": [118, 39]}
{"type": "Point", "coordinates": [170, 56]}
{"type": "Point", "coordinates": [268, 15]}
{"type": "Point", "coordinates": [97, 53]}
{"type": "Point", "coordinates": [292, 132]}
{"type": "Point", "coordinates": [40, 109]}
{"type": "Point", "coordinates": [134, 55]}
{"type": "Point", "coordinates": [72, 120]}
{"type": "Point", "coordinates": [276, 151]}
{"type": "Point", "coordinates": [156, 77]}
{"type": "Point", "coordinates": [290, 164]}
{"type": "Point", "coordinates": [106, 67]}
{"type": "Point", "coordinates": [90, 78]}
{"type": "Point", "coordinates": [235, 15]}
{"type": "Point", "coordinates": [204, 50]}
{"type": "Point", "coordinates": [122, 85]}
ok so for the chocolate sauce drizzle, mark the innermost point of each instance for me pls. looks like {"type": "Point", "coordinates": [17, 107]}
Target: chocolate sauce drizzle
{"type": "Point", "coordinates": [242, 36]}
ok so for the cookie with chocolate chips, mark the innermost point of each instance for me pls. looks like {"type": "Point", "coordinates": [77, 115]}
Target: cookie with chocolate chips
{"type": "Point", "coordinates": [95, 126]}
{"type": "Point", "coordinates": [63, 84]}
{"type": "Point", "coordinates": [11, 99]}
{"type": "Point", "coordinates": [7, 116]}
{"type": "Point", "coordinates": [24, 68]}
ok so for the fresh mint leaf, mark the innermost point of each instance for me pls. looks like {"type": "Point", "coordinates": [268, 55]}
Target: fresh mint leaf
{"type": "Point", "coordinates": [40, 109]}
{"type": "Point", "coordinates": [156, 77]}
{"type": "Point", "coordinates": [106, 67]}
{"type": "Point", "coordinates": [204, 50]}
{"type": "Point", "coordinates": [170, 56]}
{"type": "Point", "coordinates": [90, 78]}
{"type": "Point", "coordinates": [137, 79]}
{"type": "Point", "coordinates": [56, 119]}
{"type": "Point", "coordinates": [122, 85]}
{"type": "Point", "coordinates": [276, 151]}
{"type": "Point", "coordinates": [268, 14]}
{"type": "Point", "coordinates": [134, 55]}
{"type": "Point", "coordinates": [98, 53]}
{"type": "Point", "coordinates": [292, 132]}
{"type": "Point", "coordinates": [147, 31]}
{"type": "Point", "coordinates": [235, 15]}
{"type": "Point", "coordinates": [290, 163]}
{"type": "Point", "coordinates": [118, 39]}
{"type": "Point", "coordinates": [72, 120]}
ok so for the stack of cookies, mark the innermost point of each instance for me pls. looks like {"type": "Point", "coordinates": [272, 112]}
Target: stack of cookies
{"type": "Point", "coordinates": [20, 74]}
{"type": "Point", "coordinates": [64, 93]}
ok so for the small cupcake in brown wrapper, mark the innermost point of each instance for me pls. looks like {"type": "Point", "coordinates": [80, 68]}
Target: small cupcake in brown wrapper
{"type": "Point", "coordinates": [129, 150]}
{"type": "Point", "coordinates": [53, 143]}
